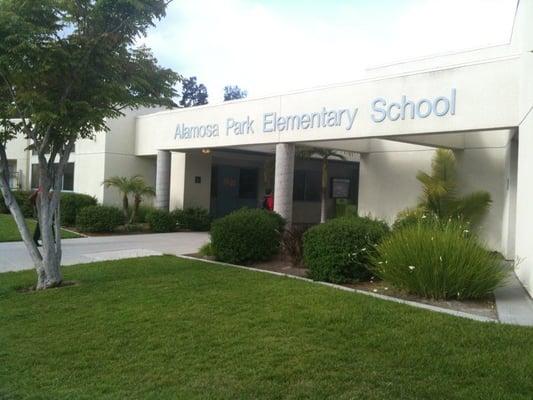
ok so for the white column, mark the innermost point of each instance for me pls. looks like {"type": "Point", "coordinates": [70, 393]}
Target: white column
{"type": "Point", "coordinates": [283, 181]}
{"type": "Point", "coordinates": [162, 180]}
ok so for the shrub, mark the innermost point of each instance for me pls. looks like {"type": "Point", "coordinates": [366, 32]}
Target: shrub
{"type": "Point", "coordinates": [438, 260]}
{"type": "Point", "coordinates": [339, 250]}
{"type": "Point", "coordinates": [246, 235]}
{"type": "Point", "coordinates": [142, 213]}
{"type": "Point", "coordinates": [99, 219]}
{"type": "Point", "coordinates": [207, 250]}
{"type": "Point", "coordinates": [71, 204]}
{"type": "Point", "coordinates": [22, 197]}
{"type": "Point", "coordinates": [194, 219]}
{"type": "Point", "coordinates": [409, 217]}
{"type": "Point", "coordinates": [292, 243]}
{"type": "Point", "coordinates": [160, 221]}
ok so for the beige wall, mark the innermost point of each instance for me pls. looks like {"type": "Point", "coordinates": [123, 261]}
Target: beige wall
{"type": "Point", "coordinates": [388, 181]}
{"type": "Point", "coordinates": [184, 191]}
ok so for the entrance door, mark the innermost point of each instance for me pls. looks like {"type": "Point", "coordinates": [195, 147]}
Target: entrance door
{"type": "Point", "coordinates": [233, 188]}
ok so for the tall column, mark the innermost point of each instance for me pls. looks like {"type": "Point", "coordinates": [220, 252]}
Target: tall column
{"type": "Point", "coordinates": [162, 180]}
{"type": "Point", "coordinates": [283, 181]}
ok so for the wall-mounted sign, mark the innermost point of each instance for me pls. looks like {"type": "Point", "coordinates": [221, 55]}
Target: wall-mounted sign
{"type": "Point", "coordinates": [271, 122]}
{"type": "Point", "coordinates": [340, 188]}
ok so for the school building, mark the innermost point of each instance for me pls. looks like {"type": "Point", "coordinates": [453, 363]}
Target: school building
{"type": "Point", "coordinates": [387, 126]}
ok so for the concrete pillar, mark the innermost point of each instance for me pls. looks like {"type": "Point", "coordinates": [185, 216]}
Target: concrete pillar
{"type": "Point", "coordinates": [283, 181]}
{"type": "Point", "coordinates": [162, 180]}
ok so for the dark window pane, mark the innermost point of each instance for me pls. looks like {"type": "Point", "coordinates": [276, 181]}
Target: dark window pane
{"type": "Point", "coordinates": [313, 186]}
{"type": "Point", "coordinates": [68, 178]}
{"type": "Point", "coordinates": [248, 184]}
{"type": "Point", "coordinates": [299, 186]}
{"type": "Point", "coordinates": [34, 176]}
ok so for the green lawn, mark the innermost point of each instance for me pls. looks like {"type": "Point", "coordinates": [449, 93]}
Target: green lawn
{"type": "Point", "coordinates": [165, 328]}
{"type": "Point", "coordinates": [10, 233]}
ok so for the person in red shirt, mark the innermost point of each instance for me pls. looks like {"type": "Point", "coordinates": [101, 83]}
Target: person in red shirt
{"type": "Point", "coordinates": [268, 201]}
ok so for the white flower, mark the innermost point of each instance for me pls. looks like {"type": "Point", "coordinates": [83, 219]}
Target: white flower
{"type": "Point", "coordinates": [411, 267]}
{"type": "Point", "coordinates": [386, 288]}
{"type": "Point", "coordinates": [363, 249]}
{"type": "Point", "coordinates": [440, 258]}
{"type": "Point", "coordinates": [424, 216]}
{"type": "Point", "coordinates": [466, 231]}
{"type": "Point", "coordinates": [381, 262]}
{"type": "Point", "coordinates": [375, 290]}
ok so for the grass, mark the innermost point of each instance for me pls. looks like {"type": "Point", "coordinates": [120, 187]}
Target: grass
{"type": "Point", "coordinates": [167, 328]}
{"type": "Point", "coordinates": [9, 231]}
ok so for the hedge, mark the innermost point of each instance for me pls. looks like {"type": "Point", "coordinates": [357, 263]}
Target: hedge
{"type": "Point", "coordinates": [22, 197]}
{"type": "Point", "coordinates": [99, 219]}
{"type": "Point", "coordinates": [71, 204]}
{"type": "Point", "coordinates": [160, 221]}
{"type": "Point", "coordinates": [193, 219]}
{"type": "Point", "coordinates": [339, 250]}
{"type": "Point", "coordinates": [246, 235]}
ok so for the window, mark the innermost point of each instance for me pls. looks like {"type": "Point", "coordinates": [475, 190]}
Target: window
{"type": "Point", "coordinates": [68, 177]}
{"type": "Point", "coordinates": [248, 184]}
{"type": "Point", "coordinates": [307, 186]}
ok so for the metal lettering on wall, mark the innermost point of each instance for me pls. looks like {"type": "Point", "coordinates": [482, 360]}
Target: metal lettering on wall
{"type": "Point", "coordinates": [271, 122]}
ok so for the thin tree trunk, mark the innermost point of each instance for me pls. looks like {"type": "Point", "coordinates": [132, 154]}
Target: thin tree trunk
{"type": "Point", "coordinates": [135, 208]}
{"type": "Point", "coordinates": [324, 194]}
{"type": "Point", "coordinates": [125, 207]}
{"type": "Point", "coordinates": [20, 221]}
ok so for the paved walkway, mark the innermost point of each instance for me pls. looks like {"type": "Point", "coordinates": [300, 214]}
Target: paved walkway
{"type": "Point", "coordinates": [14, 257]}
{"type": "Point", "coordinates": [513, 303]}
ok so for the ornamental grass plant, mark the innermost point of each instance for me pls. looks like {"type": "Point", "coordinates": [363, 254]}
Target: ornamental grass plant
{"type": "Point", "coordinates": [438, 260]}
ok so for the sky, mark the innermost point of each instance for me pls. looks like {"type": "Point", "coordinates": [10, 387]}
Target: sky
{"type": "Point", "coordinates": [277, 46]}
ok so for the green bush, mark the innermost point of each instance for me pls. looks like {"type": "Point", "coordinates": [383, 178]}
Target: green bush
{"type": "Point", "coordinates": [410, 216]}
{"type": "Point", "coordinates": [247, 235]}
{"type": "Point", "coordinates": [71, 204]}
{"type": "Point", "coordinates": [206, 250]}
{"type": "Point", "coordinates": [194, 219]}
{"type": "Point", "coordinates": [160, 221]}
{"type": "Point", "coordinates": [99, 219]}
{"type": "Point", "coordinates": [22, 197]}
{"type": "Point", "coordinates": [339, 250]}
{"type": "Point", "coordinates": [142, 213]}
{"type": "Point", "coordinates": [438, 260]}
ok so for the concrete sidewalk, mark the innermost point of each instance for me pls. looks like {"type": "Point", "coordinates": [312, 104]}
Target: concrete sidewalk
{"type": "Point", "coordinates": [513, 304]}
{"type": "Point", "coordinates": [14, 257]}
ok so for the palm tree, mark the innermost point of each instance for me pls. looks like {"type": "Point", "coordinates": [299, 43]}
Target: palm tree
{"type": "Point", "coordinates": [139, 189]}
{"type": "Point", "coordinates": [124, 186]}
{"type": "Point", "coordinates": [440, 195]}
{"type": "Point", "coordinates": [324, 155]}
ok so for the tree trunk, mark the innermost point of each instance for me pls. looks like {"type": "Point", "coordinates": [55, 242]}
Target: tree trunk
{"type": "Point", "coordinates": [125, 207]}
{"type": "Point", "coordinates": [20, 221]}
{"type": "Point", "coordinates": [324, 194]}
{"type": "Point", "coordinates": [47, 206]}
{"type": "Point", "coordinates": [136, 204]}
